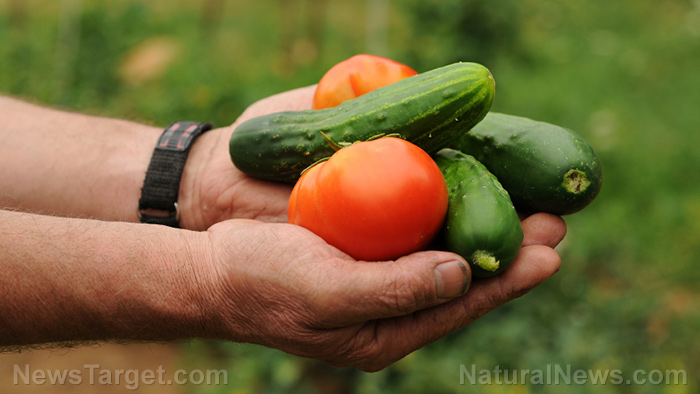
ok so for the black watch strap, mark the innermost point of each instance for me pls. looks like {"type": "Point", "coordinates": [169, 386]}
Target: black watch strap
{"type": "Point", "coordinates": [158, 203]}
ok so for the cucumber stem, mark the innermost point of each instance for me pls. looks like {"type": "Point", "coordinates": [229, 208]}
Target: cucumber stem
{"type": "Point", "coordinates": [575, 181]}
{"type": "Point", "coordinates": [485, 260]}
{"type": "Point", "coordinates": [336, 146]}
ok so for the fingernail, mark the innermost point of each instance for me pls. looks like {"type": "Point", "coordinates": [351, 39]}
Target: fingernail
{"type": "Point", "coordinates": [451, 279]}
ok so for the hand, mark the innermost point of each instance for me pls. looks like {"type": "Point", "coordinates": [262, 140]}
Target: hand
{"type": "Point", "coordinates": [281, 286]}
{"type": "Point", "coordinates": [213, 190]}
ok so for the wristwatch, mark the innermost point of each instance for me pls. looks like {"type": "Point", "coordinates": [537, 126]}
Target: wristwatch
{"type": "Point", "coordinates": [158, 203]}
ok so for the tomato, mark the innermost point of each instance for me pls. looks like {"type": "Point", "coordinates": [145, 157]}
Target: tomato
{"type": "Point", "coordinates": [356, 76]}
{"type": "Point", "coordinates": [374, 200]}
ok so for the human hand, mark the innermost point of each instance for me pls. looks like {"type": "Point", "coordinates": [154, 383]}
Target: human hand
{"type": "Point", "coordinates": [213, 189]}
{"type": "Point", "coordinates": [281, 286]}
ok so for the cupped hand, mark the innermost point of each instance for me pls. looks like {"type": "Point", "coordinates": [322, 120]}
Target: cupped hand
{"type": "Point", "coordinates": [281, 286]}
{"type": "Point", "coordinates": [213, 190]}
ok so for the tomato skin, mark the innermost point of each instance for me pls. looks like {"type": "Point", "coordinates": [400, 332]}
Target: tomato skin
{"type": "Point", "coordinates": [356, 76]}
{"type": "Point", "coordinates": [374, 200]}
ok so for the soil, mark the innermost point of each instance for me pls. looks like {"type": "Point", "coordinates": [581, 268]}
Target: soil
{"type": "Point", "coordinates": [100, 369]}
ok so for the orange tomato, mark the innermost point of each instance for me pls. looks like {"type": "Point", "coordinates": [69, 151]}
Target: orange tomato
{"type": "Point", "coordinates": [374, 200]}
{"type": "Point", "coordinates": [356, 76]}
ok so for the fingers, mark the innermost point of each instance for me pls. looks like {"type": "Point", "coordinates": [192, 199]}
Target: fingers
{"type": "Point", "coordinates": [533, 266]}
{"type": "Point", "coordinates": [375, 290]}
{"type": "Point", "coordinates": [420, 280]}
{"type": "Point", "coordinates": [401, 307]}
{"type": "Point", "coordinates": [386, 341]}
{"type": "Point", "coordinates": [543, 229]}
{"type": "Point", "coordinates": [292, 100]}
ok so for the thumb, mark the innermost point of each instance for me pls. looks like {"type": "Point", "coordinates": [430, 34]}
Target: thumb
{"type": "Point", "coordinates": [363, 291]}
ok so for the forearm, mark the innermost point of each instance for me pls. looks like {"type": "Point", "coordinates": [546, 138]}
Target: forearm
{"type": "Point", "coordinates": [85, 280]}
{"type": "Point", "coordinates": [68, 164]}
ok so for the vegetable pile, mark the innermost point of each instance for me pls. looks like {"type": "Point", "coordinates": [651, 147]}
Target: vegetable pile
{"type": "Point", "coordinates": [389, 161]}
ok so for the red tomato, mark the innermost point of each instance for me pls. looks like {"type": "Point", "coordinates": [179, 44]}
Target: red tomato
{"type": "Point", "coordinates": [374, 200]}
{"type": "Point", "coordinates": [356, 76]}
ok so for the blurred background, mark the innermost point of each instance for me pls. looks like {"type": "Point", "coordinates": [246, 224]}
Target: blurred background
{"type": "Point", "coordinates": [625, 74]}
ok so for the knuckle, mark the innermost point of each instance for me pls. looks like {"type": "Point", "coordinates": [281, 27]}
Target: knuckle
{"type": "Point", "coordinates": [404, 293]}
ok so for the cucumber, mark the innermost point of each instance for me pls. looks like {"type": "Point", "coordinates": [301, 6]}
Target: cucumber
{"type": "Point", "coordinates": [481, 224]}
{"type": "Point", "coordinates": [429, 109]}
{"type": "Point", "coordinates": [544, 167]}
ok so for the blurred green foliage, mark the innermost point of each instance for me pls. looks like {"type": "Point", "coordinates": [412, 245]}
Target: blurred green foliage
{"type": "Point", "coordinates": [624, 74]}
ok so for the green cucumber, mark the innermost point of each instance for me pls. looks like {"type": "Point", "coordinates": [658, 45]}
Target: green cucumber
{"type": "Point", "coordinates": [481, 224]}
{"type": "Point", "coordinates": [544, 167]}
{"type": "Point", "coordinates": [430, 110]}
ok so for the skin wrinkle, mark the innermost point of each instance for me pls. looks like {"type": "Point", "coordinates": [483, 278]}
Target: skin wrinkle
{"type": "Point", "coordinates": [286, 319]}
{"type": "Point", "coordinates": [395, 292]}
{"type": "Point", "coordinates": [210, 290]}
{"type": "Point", "coordinates": [422, 291]}
{"type": "Point", "coordinates": [257, 212]}
{"type": "Point", "coordinates": [192, 177]}
{"type": "Point", "coordinates": [381, 346]}
{"type": "Point", "coordinates": [342, 352]}
{"type": "Point", "coordinates": [235, 287]}
{"type": "Point", "coordinates": [325, 313]}
{"type": "Point", "coordinates": [309, 319]}
{"type": "Point", "coordinates": [199, 279]}
{"type": "Point", "coordinates": [281, 306]}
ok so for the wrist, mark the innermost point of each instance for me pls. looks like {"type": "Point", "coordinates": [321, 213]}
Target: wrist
{"type": "Point", "coordinates": [178, 293]}
{"type": "Point", "coordinates": [125, 170]}
{"type": "Point", "coordinates": [159, 290]}
{"type": "Point", "coordinates": [225, 281]}
{"type": "Point", "coordinates": [160, 195]}
{"type": "Point", "coordinates": [194, 208]}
